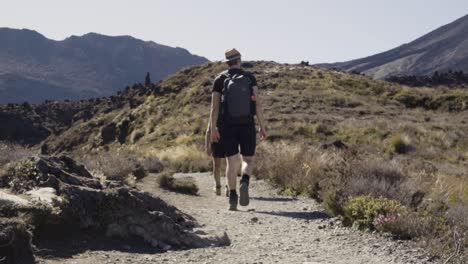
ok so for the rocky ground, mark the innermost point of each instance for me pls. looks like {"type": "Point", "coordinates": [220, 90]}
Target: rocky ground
{"type": "Point", "coordinates": [65, 210]}
{"type": "Point", "coordinates": [273, 229]}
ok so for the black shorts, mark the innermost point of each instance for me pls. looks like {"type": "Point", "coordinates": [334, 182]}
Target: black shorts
{"type": "Point", "coordinates": [217, 150]}
{"type": "Point", "coordinates": [235, 136]}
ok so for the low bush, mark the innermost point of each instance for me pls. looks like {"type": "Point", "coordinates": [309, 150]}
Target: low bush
{"type": "Point", "coordinates": [362, 211]}
{"type": "Point", "coordinates": [185, 185]}
{"type": "Point", "coordinates": [16, 177]}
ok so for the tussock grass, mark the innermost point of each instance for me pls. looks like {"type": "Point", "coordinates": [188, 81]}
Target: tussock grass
{"type": "Point", "coordinates": [182, 158]}
{"type": "Point", "coordinates": [399, 144]}
{"type": "Point", "coordinates": [12, 153]}
{"type": "Point", "coordinates": [117, 166]}
{"type": "Point", "coordinates": [308, 170]}
{"type": "Point", "coordinates": [136, 135]}
{"type": "Point", "coordinates": [296, 169]}
{"type": "Point", "coordinates": [152, 164]}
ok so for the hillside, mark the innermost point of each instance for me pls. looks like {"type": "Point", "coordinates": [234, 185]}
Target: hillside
{"type": "Point", "coordinates": [345, 140]}
{"type": "Point", "coordinates": [443, 49]}
{"type": "Point", "coordinates": [298, 99]}
{"type": "Point", "coordinates": [34, 68]}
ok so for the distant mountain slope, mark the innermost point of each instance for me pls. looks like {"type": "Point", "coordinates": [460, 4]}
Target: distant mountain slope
{"type": "Point", "coordinates": [34, 68]}
{"type": "Point", "coordinates": [441, 50]}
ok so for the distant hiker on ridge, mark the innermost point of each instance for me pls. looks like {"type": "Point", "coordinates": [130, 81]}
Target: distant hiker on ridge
{"type": "Point", "coordinates": [235, 100]}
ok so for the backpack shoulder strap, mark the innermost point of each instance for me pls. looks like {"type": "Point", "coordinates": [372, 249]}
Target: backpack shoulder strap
{"type": "Point", "coordinates": [230, 76]}
{"type": "Point", "coordinates": [227, 77]}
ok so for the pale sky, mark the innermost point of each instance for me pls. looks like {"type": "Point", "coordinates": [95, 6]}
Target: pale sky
{"type": "Point", "coordinates": [283, 31]}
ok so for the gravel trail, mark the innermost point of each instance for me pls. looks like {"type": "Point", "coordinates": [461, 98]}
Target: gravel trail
{"type": "Point", "coordinates": [272, 229]}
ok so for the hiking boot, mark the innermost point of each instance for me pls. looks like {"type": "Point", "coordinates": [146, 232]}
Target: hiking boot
{"type": "Point", "coordinates": [244, 190]}
{"type": "Point", "coordinates": [217, 190]}
{"type": "Point", "coordinates": [233, 199]}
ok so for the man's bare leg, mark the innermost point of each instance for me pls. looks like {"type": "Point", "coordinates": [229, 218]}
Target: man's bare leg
{"type": "Point", "coordinates": [217, 174]}
{"type": "Point", "coordinates": [247, 168]}
{"type": "Point", "coordinates": [247, 165]}
{"type": "Point", "coordinates": [232, 167]}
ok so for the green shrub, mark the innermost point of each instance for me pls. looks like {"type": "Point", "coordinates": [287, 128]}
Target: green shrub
{"type": "Point", "coordinates": [18, 177]}
{"type": "Point", "coordinates": [361, 211]}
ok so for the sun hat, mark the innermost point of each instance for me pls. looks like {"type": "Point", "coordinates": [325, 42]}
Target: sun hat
{"type": "Point", "coordinates": [232, 54]}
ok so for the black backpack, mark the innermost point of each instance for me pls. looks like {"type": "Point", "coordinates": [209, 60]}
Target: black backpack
{"type": "Point", "coordinates": [237, 103]}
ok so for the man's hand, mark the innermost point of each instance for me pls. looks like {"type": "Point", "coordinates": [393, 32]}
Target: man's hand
{"type": "Point", "coordinates": [263, 134]}
{"type": "Point", "coordinates": [214, 136]}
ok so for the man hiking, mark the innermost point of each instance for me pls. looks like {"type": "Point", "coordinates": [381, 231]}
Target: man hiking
{"type": "Point", "coordinates": [235, 100]}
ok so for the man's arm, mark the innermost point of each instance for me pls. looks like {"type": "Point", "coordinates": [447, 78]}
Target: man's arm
{"type": "Point", "coordinates": [259, 113]}
{"type": "Point", "coordinates": [208, 138]}
{"type": "Point", "coordinates": [215, 104]}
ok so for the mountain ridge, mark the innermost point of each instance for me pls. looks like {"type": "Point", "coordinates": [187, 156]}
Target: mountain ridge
{"type": "Point", "coordinates": [443, 49]}
{"type": "Point", "coordinates": [80, 67]}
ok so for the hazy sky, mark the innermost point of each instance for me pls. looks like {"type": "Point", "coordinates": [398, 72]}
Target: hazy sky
{"type": "Point", "coordinates": [284, 31]}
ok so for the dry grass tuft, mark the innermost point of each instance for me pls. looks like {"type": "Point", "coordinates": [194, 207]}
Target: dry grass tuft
{"type": "Point", "coordinates": [182, 158]}
{"type": "Point", "coordinates": [152, 164]}
{"type": "Point", "coordinates": [13, 153]}
{"type": "Point", "coordinates": [376, 177]}
{"type": "Point", "coordinates": [399, 144]}
{"type": "Point", "coordinates": [296, 169]}
{"type": "Point", "coordinates": [117, 166]}
{"type": "Point", "coordinates": [185, 185]}
{"type": "Point", "coordinates": [317, 173]}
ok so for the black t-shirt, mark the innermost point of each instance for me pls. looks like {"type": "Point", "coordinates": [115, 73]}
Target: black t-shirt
{"type": "Point", "coordinates": [218, 84]}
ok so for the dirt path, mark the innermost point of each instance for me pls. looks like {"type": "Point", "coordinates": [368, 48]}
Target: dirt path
{"type": "Point", "coordinates": [273, 229]}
